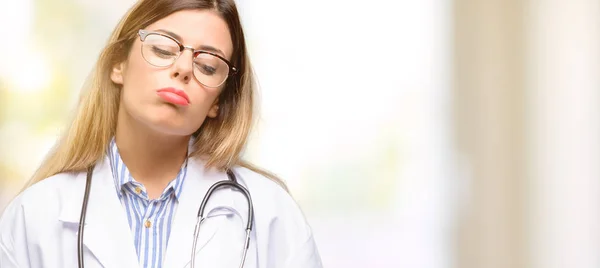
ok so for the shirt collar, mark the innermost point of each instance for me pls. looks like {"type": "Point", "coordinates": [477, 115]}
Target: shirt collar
{"type": "Point", "coordinates": [122, 177]}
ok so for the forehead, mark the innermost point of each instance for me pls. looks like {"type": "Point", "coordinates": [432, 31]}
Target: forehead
{"type": "Point", "coordinates": [197, 28]}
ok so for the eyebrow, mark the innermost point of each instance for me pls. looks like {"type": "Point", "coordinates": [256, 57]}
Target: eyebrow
{"type": "Point", "coordinates": [202, 47]}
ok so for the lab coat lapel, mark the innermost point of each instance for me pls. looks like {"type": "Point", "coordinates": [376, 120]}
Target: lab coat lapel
{"type": "Point", "coordinates": [196, 184]}
{"type": "Point", "coordinates": [107, 234]}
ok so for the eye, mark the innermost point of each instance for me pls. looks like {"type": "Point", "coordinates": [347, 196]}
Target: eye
{"type": "Point", "coordinates": [206, 69]}
{"type": "Point", "coordinates": [162, 52]}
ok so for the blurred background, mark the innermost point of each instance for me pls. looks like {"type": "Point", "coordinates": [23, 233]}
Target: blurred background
{"type": "Point", "coordinates": [430, 133]}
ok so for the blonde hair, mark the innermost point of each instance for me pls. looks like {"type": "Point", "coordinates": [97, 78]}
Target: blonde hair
{"type": "Point", "coordinates": [219, 140]}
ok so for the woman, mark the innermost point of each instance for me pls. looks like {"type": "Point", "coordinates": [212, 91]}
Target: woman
{"type": "Point", "coordinates": [164, 116]}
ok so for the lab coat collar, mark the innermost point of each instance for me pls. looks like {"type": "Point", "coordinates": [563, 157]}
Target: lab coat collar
{"type": "Point", "coordinates": [107, 234]}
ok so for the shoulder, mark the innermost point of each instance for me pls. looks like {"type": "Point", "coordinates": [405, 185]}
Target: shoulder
{"type": "Point", "coordinates": [255, 179]}
{"type": "Point", "coordinates": [32, 218]}
{"type": "Point", "coordinates": [39, 203]}
{"type": "Point", "coordinates": [281, 226]}
{"type": "Point", "coordinates": [263, 188]}
{"type": "Point", "coordinates": [273, 201]}
{"type": "Point", "coordinates": [42, 193]}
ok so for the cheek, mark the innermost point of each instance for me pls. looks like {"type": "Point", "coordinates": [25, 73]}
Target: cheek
{"type": "Point", "coordinates": [139, 80]}
{"type": "Point", "coordinates": [204, 98]}
{"type": "Point", "coordinates": [202, 101]}
{"type": "Point", "coordinates": [138, 73]}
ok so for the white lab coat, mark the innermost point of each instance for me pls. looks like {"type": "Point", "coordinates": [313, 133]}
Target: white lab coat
{"type": "Point", "coordinates": [39, 227]}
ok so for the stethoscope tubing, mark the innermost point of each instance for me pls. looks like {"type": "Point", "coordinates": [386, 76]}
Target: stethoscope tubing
{"type": "Point", "coordinates": [232, 182]}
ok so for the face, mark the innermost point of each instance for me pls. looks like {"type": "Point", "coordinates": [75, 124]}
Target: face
{"type": "Point", "coordinates": [170, 99]}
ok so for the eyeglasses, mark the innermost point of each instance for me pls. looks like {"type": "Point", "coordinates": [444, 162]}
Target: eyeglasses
{"type": "Point", "coordinates": [161, 50]}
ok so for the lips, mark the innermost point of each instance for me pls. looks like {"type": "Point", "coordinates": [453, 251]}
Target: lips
{"type": "Point", "coordinates": [174, 96]}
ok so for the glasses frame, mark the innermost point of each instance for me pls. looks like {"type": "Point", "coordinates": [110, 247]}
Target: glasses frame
{"type": "Point", "coordinates": [232, 69]}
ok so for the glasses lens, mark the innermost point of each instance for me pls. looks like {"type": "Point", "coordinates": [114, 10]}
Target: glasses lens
{"type": "Point", "coordinates": [210, 70]}
{"type": "Point", "coordinates": [159, 50]}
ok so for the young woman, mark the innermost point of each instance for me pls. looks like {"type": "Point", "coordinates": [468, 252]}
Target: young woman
{"type": "Point", "coordinates": [163, 118]}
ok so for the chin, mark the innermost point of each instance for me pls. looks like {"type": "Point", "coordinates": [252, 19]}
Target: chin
{"type": "Point", "coordinates": [172, 130]}
{"type": "Point", "coordinates": [164, 120]}
{"type": "Point", "coordinates": [171, 125]}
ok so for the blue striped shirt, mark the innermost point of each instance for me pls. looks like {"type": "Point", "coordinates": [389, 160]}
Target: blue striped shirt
{"type": "Point", "coordinates": [150, 220]}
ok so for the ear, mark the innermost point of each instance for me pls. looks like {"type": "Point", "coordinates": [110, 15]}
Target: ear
{"type": "Point", "coordinates": [214, 110]}
{"type": "Point", "coordinates": [117, 73]}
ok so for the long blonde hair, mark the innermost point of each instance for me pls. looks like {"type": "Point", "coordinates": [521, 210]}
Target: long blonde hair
{"type": "Point", "coordinates": [219, 140]}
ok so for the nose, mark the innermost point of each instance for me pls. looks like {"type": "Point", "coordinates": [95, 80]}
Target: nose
{"type": "Point", "coordinates": [182, 69]}
{"type": "Point", "coordinates": [184, 76]}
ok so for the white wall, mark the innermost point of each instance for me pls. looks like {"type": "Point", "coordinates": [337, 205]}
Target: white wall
{"type": "Point", "coordinates": [564, 49]}
{"type": "Point", "coordinates": [355, 118]}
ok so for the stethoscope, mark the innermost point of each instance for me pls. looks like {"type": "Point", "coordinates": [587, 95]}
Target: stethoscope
{"type": "Point", "coordinates": [232, 182]}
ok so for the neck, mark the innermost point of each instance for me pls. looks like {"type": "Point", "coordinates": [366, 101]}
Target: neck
{"type": "Point", "coordinates": [153, 159]}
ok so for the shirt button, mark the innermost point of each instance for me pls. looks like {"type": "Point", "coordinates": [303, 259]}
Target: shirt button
{"type": "Point", "coordinates": [138, 190]}
{"type": "Point", "coordinates": [148, 224]}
